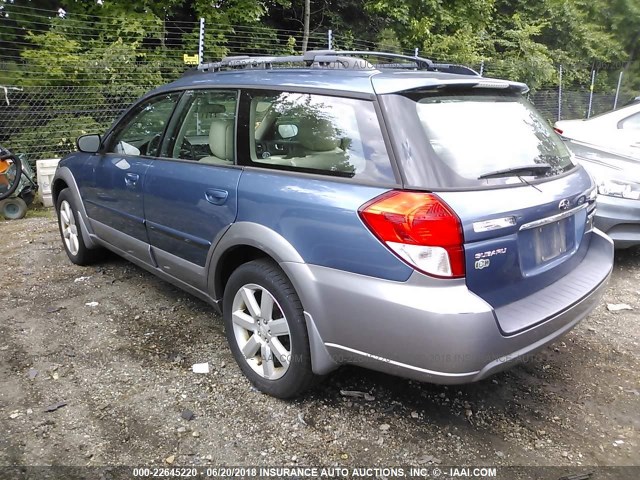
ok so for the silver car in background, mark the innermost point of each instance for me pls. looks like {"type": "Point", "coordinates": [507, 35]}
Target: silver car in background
{"type": "Point", "coordinates": [617, 131]}
{"type": "Point", "coordinates": [618, 182]}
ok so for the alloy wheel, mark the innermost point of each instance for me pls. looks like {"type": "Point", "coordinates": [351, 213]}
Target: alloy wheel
{"type": "Point", "coordinates": [69, 228]}
{"type": "Point", "coordinates": [261, 331]}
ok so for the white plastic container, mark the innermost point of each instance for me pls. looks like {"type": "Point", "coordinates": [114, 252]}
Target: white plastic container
{"type": "Point", "coordinates": [45, 170]}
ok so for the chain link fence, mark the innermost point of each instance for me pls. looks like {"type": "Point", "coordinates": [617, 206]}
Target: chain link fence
{"type": "Point", "coordinates": [44, 117]}
{"type": "Point", "coordinates": [43, 122]}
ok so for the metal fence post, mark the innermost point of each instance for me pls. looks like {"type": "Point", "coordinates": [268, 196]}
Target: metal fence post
{"type": "Point", "coordinates": [593, 81]}
{"type": "Point", "coordinates": [330, 39]}
{"type": "Point", "coordinates": [481, 67]}
{"type": "Point", "coordinates": [201, 42]}
{"type": "Point", "coordinates": [560, 92]}
{"type": "Point", "coordinates": [415, 52]}
{"type": "Point", "coordinates": [615, 101]}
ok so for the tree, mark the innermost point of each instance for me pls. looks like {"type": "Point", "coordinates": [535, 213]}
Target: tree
{"type": "Point", "coordinates": [305, 27]}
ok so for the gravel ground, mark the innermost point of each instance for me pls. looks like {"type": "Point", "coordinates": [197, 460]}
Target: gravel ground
{"type": "Point", "coordinates": [123, 368]}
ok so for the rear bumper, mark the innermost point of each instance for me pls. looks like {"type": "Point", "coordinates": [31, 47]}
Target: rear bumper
{"type": "Point", "coordinates": [427, 329]}
{"type": "Point", "coordinates": [620, 219]}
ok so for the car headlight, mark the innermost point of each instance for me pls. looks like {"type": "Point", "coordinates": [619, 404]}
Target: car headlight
{"type": "Point", "coordinates": [619, 188]}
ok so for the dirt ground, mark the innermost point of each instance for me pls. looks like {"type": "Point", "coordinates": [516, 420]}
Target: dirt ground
{"type": "Point", "coordinates": [123, 368]}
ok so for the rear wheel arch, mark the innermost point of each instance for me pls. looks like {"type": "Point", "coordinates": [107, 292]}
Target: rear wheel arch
{"type": "Point", "coordinates": [242, 243]}
{"type": "Point", "coordinates": [230, 260]}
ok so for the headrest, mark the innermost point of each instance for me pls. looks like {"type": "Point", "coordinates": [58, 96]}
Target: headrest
{"type": "Point", "coordinates": [317, 134]}
{"type": "Point", "coordinates": [221, 138]}
{"type": "Point", "coordinates": [210, 109]}
{"type": "Point", "coordinates": [216, 108]}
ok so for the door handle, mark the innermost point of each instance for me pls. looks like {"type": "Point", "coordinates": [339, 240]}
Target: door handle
{"type": "Point", "coordinates": [216, 196]}
{"type": "Point", "coordinates": [131, 179]}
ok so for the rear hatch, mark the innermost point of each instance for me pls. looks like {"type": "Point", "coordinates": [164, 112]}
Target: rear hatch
{"type": "Point", "coordinates": [525, 208]}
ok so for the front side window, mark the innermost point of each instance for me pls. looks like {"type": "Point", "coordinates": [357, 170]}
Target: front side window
{"type": "Point", "coordinates": [141, 132]}
{"type": "Point", "coordinates": [317, 134]}
{"type": "Point", "coordinates": [205, 131]}
{"type": "Point", "coordinates": [474, 139]}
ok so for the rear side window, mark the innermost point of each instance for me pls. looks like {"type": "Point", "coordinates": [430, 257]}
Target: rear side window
{"type": "Point", "coordinates": [317, 134]}
{"type": "Point", "coordinates": [474, 140]}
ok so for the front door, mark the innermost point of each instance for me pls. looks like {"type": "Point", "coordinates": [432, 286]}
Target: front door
{"type": "Point", "coordinates": [114, 193]}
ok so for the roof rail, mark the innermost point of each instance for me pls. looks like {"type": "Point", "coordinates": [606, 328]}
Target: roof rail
{"type": "Point", "coordinates": [342, 58]}
{"type": "Point", "coordinates": [420, 62]}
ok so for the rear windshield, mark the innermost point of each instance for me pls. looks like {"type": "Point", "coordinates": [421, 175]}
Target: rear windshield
{"type": "Point", "coordinates": [468, 139]}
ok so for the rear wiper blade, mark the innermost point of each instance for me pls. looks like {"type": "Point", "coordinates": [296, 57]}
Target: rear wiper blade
{"type": "Point", "coordinates": [524, 170]}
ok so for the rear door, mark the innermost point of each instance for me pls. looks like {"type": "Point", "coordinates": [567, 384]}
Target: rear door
{"type": "Point", "coordinates": [524, 206]}
{"type": "Point", "coordinates": [190, 194]}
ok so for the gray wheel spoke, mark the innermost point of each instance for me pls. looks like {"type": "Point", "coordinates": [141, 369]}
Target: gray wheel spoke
{"type": "Point", "coordinates": [68, 212]}
{"type": "Point", "coordinates": [281, 353]}
{"type": "Point", "coordinates": [76, 244]}
{"type": "Point", "coordinates": [243, 320]}
{"type": "Point", "coordinates": [251, 347]}
{"type": "Point", "coordinates": [250, 302]}
{"type": "Point", "coordinates": [266, 305]}
{"type": "Point", "coordinates": [268, 366]}
{"type": "Point", "coordinates": [279, 327]}
{"type": "Point", "coordinates": [64, 216]}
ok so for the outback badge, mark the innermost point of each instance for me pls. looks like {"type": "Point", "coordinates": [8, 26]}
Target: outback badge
{"type": "Point", "coordinates": [482, 263]}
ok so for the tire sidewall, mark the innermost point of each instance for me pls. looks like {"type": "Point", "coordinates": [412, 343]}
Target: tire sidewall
{"type": "Point", "coordinates": [271, 277]}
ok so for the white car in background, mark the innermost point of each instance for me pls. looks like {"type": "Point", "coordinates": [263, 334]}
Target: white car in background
{"type": "Point", "coordinates": [608, 147]}
{"type": "Point", "coordinates": [616, 132]}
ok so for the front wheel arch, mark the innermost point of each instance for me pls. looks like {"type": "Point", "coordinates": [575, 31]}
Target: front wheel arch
{"type": "Point", "coordinates": [58, 186]}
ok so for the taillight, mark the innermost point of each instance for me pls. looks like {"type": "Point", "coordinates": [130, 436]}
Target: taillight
{"type": "Point", "coordinates": [558, 130]}
{"type": "Point", "coordinates": [420, 228]}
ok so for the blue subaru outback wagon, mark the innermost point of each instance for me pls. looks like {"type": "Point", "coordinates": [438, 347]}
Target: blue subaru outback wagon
{"type": "Point", "coordinates": [410, 217]}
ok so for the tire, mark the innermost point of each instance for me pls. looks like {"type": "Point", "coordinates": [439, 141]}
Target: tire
{"type": "Point", "coordinates": [71, 234]}
{"type": "Point", "coordinates": [13, 208]}
{"type": "Point", "coordinates": [281, 339]}
{"type": "Point", "coordinates": [17, 167]}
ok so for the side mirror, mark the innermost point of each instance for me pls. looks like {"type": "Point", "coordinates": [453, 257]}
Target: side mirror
{"type": "Point", "coordinates": [89, 143]}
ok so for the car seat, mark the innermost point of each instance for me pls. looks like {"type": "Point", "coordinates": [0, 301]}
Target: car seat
{"type": "Point", "coordinates": [220, 142]}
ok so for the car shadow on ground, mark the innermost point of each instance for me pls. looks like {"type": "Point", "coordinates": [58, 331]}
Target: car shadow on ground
{"type": "Point", "coordinates": [526, 393]}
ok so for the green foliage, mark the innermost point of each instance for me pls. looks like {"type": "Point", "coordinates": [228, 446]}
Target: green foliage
{"type": "Point", "coordinates": [116, 51]}
{"type": "Point", "coordinates": [388, 41]}
{"type": "Point", "coordinates": [65, 129]}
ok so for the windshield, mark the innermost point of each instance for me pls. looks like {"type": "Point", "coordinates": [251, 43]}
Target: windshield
{"type": "Point", "coordinates": [473, 139]}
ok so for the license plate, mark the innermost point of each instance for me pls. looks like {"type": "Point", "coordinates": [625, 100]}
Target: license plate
{"type": "Point", "coordinates": [550, 241]}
